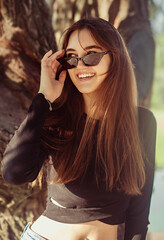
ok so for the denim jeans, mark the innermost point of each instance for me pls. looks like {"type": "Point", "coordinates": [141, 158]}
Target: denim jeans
{"type": "Point", "coordinates": [28, 234]}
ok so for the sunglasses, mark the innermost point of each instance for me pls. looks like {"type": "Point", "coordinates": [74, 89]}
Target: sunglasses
{"type": "Point", "coordinates": [91, 59]}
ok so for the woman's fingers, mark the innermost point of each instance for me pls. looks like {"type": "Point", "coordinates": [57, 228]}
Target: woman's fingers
{"type": "Point", "coordinates": [51, 87]}
{"type": "Point", "coordinates": [49, 59]}
{"type": "Point", "coordinates": [62, 76]}
{"type": "Point", "coordinates": [55, 55]}
{"type": "Point", "coordinates": [45, 57]}
{"type": "Point", "coordinates": [55, 65]}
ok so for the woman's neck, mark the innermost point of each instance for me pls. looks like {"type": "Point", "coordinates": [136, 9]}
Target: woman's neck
{"type": "Point", "coordinates": [90, 106]}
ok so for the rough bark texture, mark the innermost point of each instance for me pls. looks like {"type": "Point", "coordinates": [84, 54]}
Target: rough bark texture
{"type": "Point", "coordinates": [65, 12]}
{"type": "Point", "coordinates": [25, 35]}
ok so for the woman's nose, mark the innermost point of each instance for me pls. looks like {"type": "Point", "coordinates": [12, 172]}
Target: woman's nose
{"type": "Point", "coordinates": [80, 63]}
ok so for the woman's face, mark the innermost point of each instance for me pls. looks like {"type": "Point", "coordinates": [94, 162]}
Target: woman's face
{"type": "Point", "coordinates": [86, 78]}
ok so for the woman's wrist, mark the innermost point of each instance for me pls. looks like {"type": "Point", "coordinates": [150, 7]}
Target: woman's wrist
{"type": "Point", "coordinates": [50, 103]}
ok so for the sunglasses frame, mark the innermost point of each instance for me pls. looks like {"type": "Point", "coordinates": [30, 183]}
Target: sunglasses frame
{"type": "Point", "coordinates": [66, 65]}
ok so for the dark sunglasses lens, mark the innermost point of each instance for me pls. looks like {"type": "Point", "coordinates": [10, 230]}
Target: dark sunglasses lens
{"type": "Point", "coordinates": [92, 59]}
{"type": "Point", "coordinates": [72, 62]}
{"type": "Point", "coordinates": [65, 63]}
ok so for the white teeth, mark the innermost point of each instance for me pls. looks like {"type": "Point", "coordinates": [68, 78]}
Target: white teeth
{"type": "Point", "coordinates": [85, 75]}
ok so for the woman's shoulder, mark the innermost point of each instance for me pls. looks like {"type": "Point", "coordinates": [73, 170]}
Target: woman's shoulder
{"type": "Point", "coordinates": [147, 126]}
{"type": "Point", "coordinates": [146, 116]}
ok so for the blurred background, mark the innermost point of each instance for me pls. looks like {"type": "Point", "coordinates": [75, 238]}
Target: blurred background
{"type": "Point", "coordinates": [28, 29]}
{"type": "Point", "coordinates": [157, 106]}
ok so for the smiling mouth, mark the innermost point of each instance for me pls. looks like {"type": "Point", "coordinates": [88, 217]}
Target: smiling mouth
{"type": "Point", "coordinates": [85, 75]}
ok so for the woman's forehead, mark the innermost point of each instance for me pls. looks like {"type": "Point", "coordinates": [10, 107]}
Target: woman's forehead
{"type": "Point", "coordinates": [82, 38]}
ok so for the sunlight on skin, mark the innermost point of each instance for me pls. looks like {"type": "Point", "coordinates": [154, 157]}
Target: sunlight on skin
{"type": "Point", "coordinates": [79, 45]}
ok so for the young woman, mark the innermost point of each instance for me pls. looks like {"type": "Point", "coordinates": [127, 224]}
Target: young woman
{"type": "Point", "coordinates": [98, 146]}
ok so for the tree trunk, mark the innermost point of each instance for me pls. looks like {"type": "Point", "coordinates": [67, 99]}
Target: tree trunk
{"type": "Point", "coordinates": [131, 17]}
{"type": "Point", "coordinates": [65, 12]}
{"type": "Point", "coordinates": [25, 35]}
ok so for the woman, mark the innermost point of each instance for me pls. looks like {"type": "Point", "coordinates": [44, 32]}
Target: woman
{"type": "Point", "coordinates": [97, 144]}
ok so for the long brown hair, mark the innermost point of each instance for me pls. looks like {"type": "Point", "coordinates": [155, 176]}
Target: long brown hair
{"type": "Point", "coordinates": [119, 157]}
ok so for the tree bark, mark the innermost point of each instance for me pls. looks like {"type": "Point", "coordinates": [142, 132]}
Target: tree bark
{"type": "Point", "coordinates": [131, 17]}
{"type": "Point", "coordinates": [26, 34]}
{"type": "Point", "coordinates": [66, 12]}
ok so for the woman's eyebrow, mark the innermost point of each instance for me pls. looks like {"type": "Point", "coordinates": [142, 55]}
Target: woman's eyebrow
{"type": "Point", "coordinates": [85, 48]}
{"type": "Point", "coordinates": [93, 46]}
{"type": "Point", "coordinates": [70, 49]}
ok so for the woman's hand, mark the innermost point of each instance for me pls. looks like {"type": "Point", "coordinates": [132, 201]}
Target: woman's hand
{"type": "Point", "coordinates": [49, 86]}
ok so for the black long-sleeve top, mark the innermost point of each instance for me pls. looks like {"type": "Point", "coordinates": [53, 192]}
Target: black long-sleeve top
{"type": "Point", "coordinates": [82, 201]}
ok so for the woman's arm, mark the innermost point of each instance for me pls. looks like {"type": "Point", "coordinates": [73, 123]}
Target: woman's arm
{"type": "Point", "coordinates": [24, 155]}
{"type": "Point", "coordinates": [138, 210]}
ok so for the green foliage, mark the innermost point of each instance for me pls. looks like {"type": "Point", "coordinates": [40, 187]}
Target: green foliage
{"type": "Point", "coordinates": [160, 148]}
{"type": "Point", "coordinates": [159, 115]}
{"type": "Point", "coordinates": [158, 86]}
{"type": "Point", "coordinates": [157, 104]}
{"type": "Point", "coordinates": [156, 13]}
{"type": "Point", "coordinates": [153, 9]}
